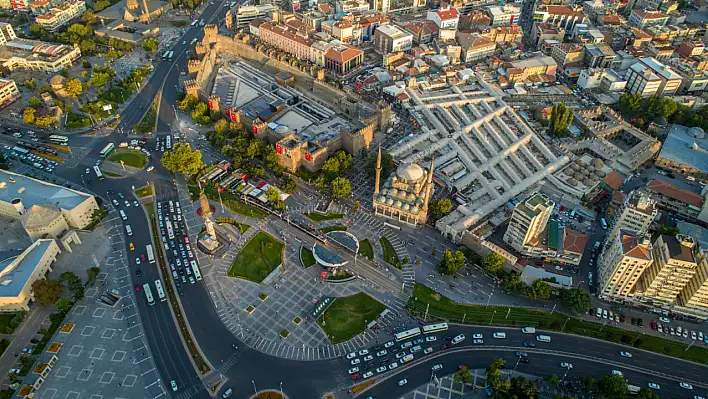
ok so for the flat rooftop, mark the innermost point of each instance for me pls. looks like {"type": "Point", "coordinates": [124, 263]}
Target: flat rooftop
{"type": "Point", "coordinates": [36, 192]}
{"type": "Point", "coordinates": [686, 146]}
{"type": "Point", "coordinates": [15, 272]}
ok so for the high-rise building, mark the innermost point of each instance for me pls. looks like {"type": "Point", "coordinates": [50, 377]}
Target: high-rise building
{"type": "Point", "coordinates": [637, 213]}
{"type": "Point", "coordinates": [674, 266]}
{"type": "Point", "coordinates": [622, 264]}
{"type": "Point", "coordinates": [693, 300]}
{"type": "Point", "coordinates": [528, 221]}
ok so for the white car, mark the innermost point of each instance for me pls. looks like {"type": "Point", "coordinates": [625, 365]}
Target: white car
{"type": "Point", "coordinates": [617, 372]}
{"type": "Point", "coordinates": [402, 382]}
{"type": "Point", "coordinates": [353, 370]}
{"type": "Point", "coordinates": [686, 385]}
{"type": "Point", "coordinates": [381, 353]}
{"type": "Point", "coordinates": [393, 365]}
{"type": "Point", "coordinates": [174, 385]}
{"type": "Point", "coordinates": [477, 341]}
{"type": "Point", "coordinates": [400, 355]}
{"type": "Point", "coordinates": [351, 356]}
{"type": "Point", "coordinates": [368, 358]}
{"type": "Point", "coordinates": [88, 170]}
{"type": "Point", "coordinates": [698, 397]}
{"type": "Point", "coordinates": [381, 369]}
{"type": "Point", "coordinates": [625, 354]}
{"type": "Point", "coordinates": [127, 204]}
{"type": "Point", "coordinates": [363, 352]}
{"type": "Point", "coordinates": [655, 386]}
{"type": "Point", "coordinates": [664, 320]}
{"type": "Point", "coordinates": [367, 374]}
{"type": "Point", "coordinates": [477, 336]}
{"type": "Point", "coordinates": [431, 339]}
{"type": "Point", "coordinates": [693, 335]}
{"type": "Point", "coordinates": [428, 351]}
{"type": "Point", "coordinates": [355, 362]}
{"type": "Point", "coordinates": [137, 261]}
{"type": "Point", "coordinates": [700, 336]}
{"type": "Point", "coordinates": [566, 365]}
{"type": "Point", "coordinates": [437, 367]}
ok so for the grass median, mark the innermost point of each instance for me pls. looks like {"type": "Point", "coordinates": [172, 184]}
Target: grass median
{"type": "Point", "coordinates": [202, 365]}
{"type": "Point", "coordinates": [230, 200]}
{"type": "Point", "coordinates": [389, 253]}
{"type": "Point", "coordinates": [365, 249]}
{"type": "Point", "coordinates": [306, 257]}
{"type": "Point", "coordinates": [135, 159]}
{"type": "Point", "coordinates": [321, 217]}
{"type": "Point", "coordinates": [443, 308]}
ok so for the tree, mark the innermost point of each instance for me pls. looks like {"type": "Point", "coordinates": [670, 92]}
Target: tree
{"type": "Point", "coordinates": [451, 262]}
{"type": "Point", "coordinates": [331, 168]}
{"type": "Point", "coordinates": [613, 386]}
{"type": "Point", "coordinates": [221, 126]}
{"type": "Point", "coordinates": [28, 116]}
{"type": "Point", "coordinates": [181, 159]}
{"type": "Point", "coordinates": [93, 273]}
{"type": "Point", "coordinates": [87, 46]}
{"type": "Point", "coordinates": [187, 102]}
{"type": "Point", "coordinates": [561, 117]}
{"type": "Point", "coordinates": [576, 300]}
{"type": "Point", "coordinates": [112, 55]}
{"type": "Point", "coordinates": [512, 282]}
{"type": "Point", "coordinates": [539, 289]}
{"type": "Point", "coordinates": [499, 386]}
{"type": "Point", "coordinates": [463, 375]}
{"type": "Point", "coordinates": [150, 44]}
{"type": "Point", "coordinates": [30, 83]}
{"type": "Point", "coordinates": [289, 185]}
{"type": "Point", "coordinates": [47, 291]}
{"type": "Point", "coordinates": [34, 102]}
{"type": "Point", "coordinates": [89, 17]}
{"type": "Point", "coordinates": [386, 164]}
{"type": "Point", "coordinates": [73, 87]}
{"type": "Point", "coordinates": [269, 157]}
{"type": "Point", "coordinates": [44, 121]}
{"type": "Point", "coordinates": [493, 263]}
{"type": "Point", "coordinates": [647, 393]}
{"type": "Point", "coordinates": [552, 380]}
{"type": "Point", "coordinates": [64, 305]}
{"type": "Point", "coordinates": [523, 388]}
{"type": "Point", "coordinates": [101, 5]}
{"type": "Point", "coordinates": [346, 161]}
{"type": "Point", "coordinates": [273, 195]}
{"type": "Point", "coordinates": [341, 187]}
{"type": "Point", "coordinates": [254, 149]}
{"type": "Point", "coordinates": [439, 207]}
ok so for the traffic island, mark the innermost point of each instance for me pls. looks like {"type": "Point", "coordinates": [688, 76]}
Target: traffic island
{"type": "Point", "coordinates": [348, 316]}
{"type": "Point", "coordinates": [389, 253]}
{"type": "Point", "coordinates": [144, 192]}
{"type": "Point", "coordinates": [321, 217]}
{"type": "Point", "coordinates": [258, 258]}
{"type": "Point", "coordinates": [54, 347]}
{"type": "Point", "coordinates": [132, 158]}
{"type": "Point", "coordinates": [269, 394]}
{"type": "Point", "coordinates": [365, 249]}
{"type": "Point", "coordinates": [306, 257]}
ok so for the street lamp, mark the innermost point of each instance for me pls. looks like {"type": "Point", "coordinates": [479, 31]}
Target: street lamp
{"type": "Point", "coordinates": [254, 387]}
{"type": "Point", "coordinates": [566, 322]}
{"type": "Point", "coordinates": [579, 282]}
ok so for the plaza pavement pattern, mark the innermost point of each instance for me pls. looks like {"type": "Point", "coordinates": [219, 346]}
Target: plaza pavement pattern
{"type": "Point", "coordinates": [105, 356]}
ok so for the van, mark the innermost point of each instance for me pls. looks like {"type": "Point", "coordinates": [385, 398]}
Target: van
{"type": "Point", "coordinates": [122, 215]}
{"type": "Point", "coordinates": [528, 330]}
{"type": "Point", "coordinates": [543, 338]}
{"type": "Point", "coordinates": [499, 335]}
{"type": "Point", "coordinates": [128, 230]}
{"type": "Point", "coordinates": [227, 393]}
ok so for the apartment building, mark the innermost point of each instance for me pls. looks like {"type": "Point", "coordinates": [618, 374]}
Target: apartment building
{"type": "Point", "coordinates": [475, 47]}
{"type": "Point", "coordinates": [504, 15]}
{"type": "Point", "coordinates": [287, 40]}
{"type": "Point", "coordinates": [391, 39]}
{"type": "Point", "coordinates": [622, 264]}
{"type": "Point", "coordinates": [542, 31]}
{"type": "Point", "coordinates": [536, 69]}
{"type": "Point", "coordinates": [636, 213]}
{"type": "Point", "coordinates": [245, 14]}
{"type": "Point", "coordinates": [445, 17]}
{"type": "Point", "coordinates": [565, 17]}
{"type": "Point", "coordinates": [342, 59]}
{"type": "Point", "coordinates": [39, 56]}
{"type": "Point", "coordinates": [8, 92]}
{"type": "Point", "coordinates": [61, 15]}
{"type": "Point", "coordinates": [6, 33]}
{"type": "Point", "coordinates": [642, 19]}
{"type": "Point", "coordinates": [675, 264]}
{"type": "Point", "coordinates": [598, 56]}
{"type": "Point", "coordinates": [649, 77]}
{"type": "Point", "coordinates": [682, 203]}
{"type": "Point", "coordinates": [349, 6]}
{"type": "Point", "coordinates": [690, 48]}
{"type": "Point", "coordinates": [693, 80]}
{"type": "Point", "coordinates": [567, 53]}
{"type": "Point", "coordinates": [527, 221]}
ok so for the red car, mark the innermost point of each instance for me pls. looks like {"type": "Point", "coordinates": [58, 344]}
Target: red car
{"type": "Point", "coordinates": [443, 347]}
{"type": "Point", "coordinates": [137, 287]}
{"type": "Point", "coordinates": [142, 256]}
{"type": "Point", "coordinates": [356, 376]}
{"type": "Point", "coordinates": [186, 240]}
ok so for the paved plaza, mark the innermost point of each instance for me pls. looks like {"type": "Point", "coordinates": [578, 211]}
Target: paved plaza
{"type": "Point", "coordinates": [105, 355]}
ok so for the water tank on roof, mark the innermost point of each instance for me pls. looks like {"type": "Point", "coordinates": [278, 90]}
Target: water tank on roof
{"type": "Point", "coordinates": [19, 206]}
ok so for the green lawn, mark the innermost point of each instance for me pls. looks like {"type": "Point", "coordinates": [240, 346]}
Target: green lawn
{"type": "Point", "coordinates": [116, 95]}
{"type": "Point", "coordinates": [132, 158]}
{"type": "Point", "coordinates": [348, 316]}
{"type": "Point", "coordinates": [365, 249]}
{"type": "Point", "coordinates": [261, 255]}
{"type": "Point", "coordinates": [242, 227]}
{"type": "Point", "coordinates": [444, 308]}
{"type": "Point", "coordinates": [143, 192]}
{"type": "Point", "coordinates": [320, 217]}
{"type": "Point", "coordinates": [306, 257]}
{"type": "Point", "coordinates": [5, 319]}
{"type": "Point", "coordinates": [333, 228]}
{"type": "Point", "coordinates": [389, 253]}
{"type": "Point", "coordinates": [234, 203]}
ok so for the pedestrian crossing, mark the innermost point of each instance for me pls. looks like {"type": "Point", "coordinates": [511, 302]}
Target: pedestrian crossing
{"type": "Point", "coordinates": [189, 392]}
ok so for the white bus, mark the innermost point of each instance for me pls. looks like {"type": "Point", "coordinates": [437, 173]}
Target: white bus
{"type": "Point", "coordinates": [433, 328]}
{"type": "Point", "coordinates": [195, 269]}
{"type": "Point", "coordinates": [168, 141]}
{"type": "Point", "coordinates": [170, 232]}
{"type": "Point", "coordinates": [160, 291]}
{"type": "Point", "coordinates": [403, 335]}
{"type": "Point", "coordinates": [107, 149]}
{"type": "Point", "coordinates": [97, 170]}
{"type": "Point", "coordinates": [148, 294]}
{"type": "Point", "coordinates": [196, 21]}
{"type": "Point", "coordinates": [543, 338]}
{"type": "Point", "coordinates": [55, 138]}
{"type": "Point", "coordinates": [20, 150]}
{"type": "Point", "coordinates": [150, 254]}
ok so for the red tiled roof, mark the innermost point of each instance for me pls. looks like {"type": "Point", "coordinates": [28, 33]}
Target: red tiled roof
{"type": "Point", "coordinates": [631, 247]}
{"type": "Point", "coordinates": [613, 180]}
{"type": "Point", "coordinates": [640, 34]}
{"type": "Point", "coordinates": [563, 10]}
{"type": "Point", "coordinates": [649, 14]}
{"type": "Point", "coordinates": [448, 14]}
{"type": "Point", "coordinates": [574, 241]}
{"type": "Point", "coordinates": [671, 191]}
{"type": "Point", "coordinates": [342, 53]}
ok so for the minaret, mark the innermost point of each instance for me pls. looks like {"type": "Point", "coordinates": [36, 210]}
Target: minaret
{"type": "Point", "coordinates": [429, 184]}
{"type": "Point", "coordinates": [378, 172]}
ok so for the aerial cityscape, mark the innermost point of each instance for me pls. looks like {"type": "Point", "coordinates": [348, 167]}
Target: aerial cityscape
{"type": "Point", "coordinates": [335, 199]}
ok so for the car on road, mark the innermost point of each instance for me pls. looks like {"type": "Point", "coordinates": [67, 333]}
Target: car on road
{"type": "Point", "coordinates": [132, 247]}
{"type": "Point", "coordinates": [459, 338]}
{"type": "Point", "coordinates": [127, 204]}
{"type": "Point", "coordinates": [136, 203]}
{"type": "Point", "coordinates": [406, 345]}
{"type": "Point", "coordinates": [478, 341]}
{"type": "Point", "coordinates": [437, 367]}
{"type": "Point", "coordinates": [353, 370]}
{"type": "Point", "coordinates": [477, 336]}
{"type": "Point", "coordinates": [525, 360]}
{"type": "Point", "coordinates": [368, 374]}
{"type": "Point", "coordinates": [664, 320]}
{"type": "Point", "coordinates": [566, 365]}
{"type": "Point", "coordinates": [353, 362]}
{"type": "Point", "coordinates": [174, 385]}
{"type": "Point", "coordinates": [431, 339]}
{"type": "Point", "coordinates": [522, 354]}
{"type": "Point", "coordinates": [88, 170]}
{"type": "Point", "coordinates": [142, 257]}
{"type": "Point", "coordinates": [444, 346]}
{"type": "Point", "coordinates": [617, 372]}
{"type": "Point", "coordinates": [625, 354]}
{"type": "Point", "coordinates": [14, 371]}
{"type": "Point", "coordinates": [686, 385]}
{"type": "Point", "coordinates": [138, 272]}
{"type": "Point", "coordinates": [137, 261]}
{"type": "Point", "coordinates": [402, 382]}
{"type": "Point", "coordinates": [381, 369]}
{"type": "Point", "coordinates": [428, 351]}
{"type": "Point", "coordinates": [34, 341]}
{"type": "Point", "coordinates": [363, 352]}
{"type": "Point", "coordinates": [381, 353]}
{"type": "Point", "coordinates": [120, 195]}
{"type": "Point", "coordinates": [115, 203]}
{"type": "Point", "coordinates": [393, 365]}
{"type": "Point", "coordinates": [137, 287]}
{"type": "Point", "coordinates": [356, 376]}
{"type": "Point", "coordinates": [653, 385]}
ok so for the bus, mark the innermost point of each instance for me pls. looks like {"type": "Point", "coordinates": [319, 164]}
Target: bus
{"type": "Point", "coordinates": [168, 141]}
{"type": "Point", "coordinates": [433, 328]}
{"type": "Point", "coordinates": [193, 24]}
{"type": "Point", "coordinates": [403, 335]}
{"type": "Point", "coordinates": [160, 291]}
{"type": "Point", "coordinates": [107, 149]}
{"type": "Point", "coordinates": [170, 232]}
{"type": "Point", "coordinates": [543, 338]}
{"type": "Point", "coordinates": [150, 254]}
{"type": "Point", "coordinates": [55, 138]}
{"type": "Point", "coordinates": [195, 269]}
{"type": "Point", "coordinates": [99, 175]}
{"type": "Point", "coordinates": [20, 150]}
{"type": "Point", "coordinates": [148, 294]}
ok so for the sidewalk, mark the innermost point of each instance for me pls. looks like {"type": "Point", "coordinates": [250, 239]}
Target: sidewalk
{"type": "Point", "coordinates": [22, 336]}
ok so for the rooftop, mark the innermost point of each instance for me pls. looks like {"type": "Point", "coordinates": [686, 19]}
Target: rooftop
{"type": "Point", "coordinates": [632, 245]}
{"type": "Point", "coordinates": [686, 146]}
{"type": "Point", "coordinates": [17, 268]}
{"type": "Point", "coordinates": [659, 68]}
{"type": "Point", "coordinates": [574, 241]}
{"type": "Point", "coordinates": [36, 192]}
{"type": "Point", "coordinates": [671, 191]}
{"type": "Point", "coordinates": [392, 31]}
{"type": "Point", "coordinates": [678, 250]}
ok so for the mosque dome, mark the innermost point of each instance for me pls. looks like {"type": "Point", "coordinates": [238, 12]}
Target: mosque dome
{"type": "Point", "coordinates": [410, 172]}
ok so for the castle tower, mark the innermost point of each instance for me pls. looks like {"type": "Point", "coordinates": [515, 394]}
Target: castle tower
{"type": "Point", "coordinates": [429, 185]}
{"type": "Point", "coordinates": [378, 172]}
{"type": "Point", "coordinates": [132, 4]}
